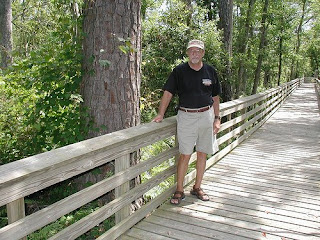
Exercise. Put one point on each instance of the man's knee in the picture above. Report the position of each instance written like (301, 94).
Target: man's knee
(201, 155)
(185, 157)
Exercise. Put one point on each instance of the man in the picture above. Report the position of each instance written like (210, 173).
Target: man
(197, 86)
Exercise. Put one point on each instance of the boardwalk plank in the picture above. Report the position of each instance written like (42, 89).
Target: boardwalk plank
(192, 226)
(313, 215)
(262, 224)
(264, 177)
(292, 205)
(125, 237)
(265, 195)
(253, 211)
(137, 233)
(257, 183)
(199, 218)
(266, 188)
(265, 207)
(296, 173)
(170, 231)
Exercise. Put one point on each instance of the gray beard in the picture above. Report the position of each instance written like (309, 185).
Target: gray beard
(195, 61)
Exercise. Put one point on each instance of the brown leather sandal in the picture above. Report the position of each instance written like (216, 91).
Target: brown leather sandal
(200, 194)
(179, 198)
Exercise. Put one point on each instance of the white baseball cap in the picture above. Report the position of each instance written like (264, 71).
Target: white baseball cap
(195, 43)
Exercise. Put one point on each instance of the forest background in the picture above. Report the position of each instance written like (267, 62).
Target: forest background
(40, 91)
(41, 106)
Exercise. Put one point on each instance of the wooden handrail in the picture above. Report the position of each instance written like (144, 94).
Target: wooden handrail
(32, 174)
(317, 88)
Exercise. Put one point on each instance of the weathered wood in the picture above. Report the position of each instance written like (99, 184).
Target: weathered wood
(122, 164)
(93, 219)
(21, 178)
(247, 114)
(130, 238)
(15, 211)
(203, 220)
(51, 213)
(238, 104)
(266, 188)
(32, 174)
(119, 229)
(143, 235)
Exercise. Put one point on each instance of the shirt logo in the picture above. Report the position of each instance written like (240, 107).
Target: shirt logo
(206, 82)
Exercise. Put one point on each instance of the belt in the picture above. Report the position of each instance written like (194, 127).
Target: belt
(195, 110)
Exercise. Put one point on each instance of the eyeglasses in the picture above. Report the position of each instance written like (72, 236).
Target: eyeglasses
(195, 51)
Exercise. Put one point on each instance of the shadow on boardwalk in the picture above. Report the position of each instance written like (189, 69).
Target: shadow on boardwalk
(267, 188)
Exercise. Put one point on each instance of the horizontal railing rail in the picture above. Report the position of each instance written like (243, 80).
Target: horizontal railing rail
(19, 179)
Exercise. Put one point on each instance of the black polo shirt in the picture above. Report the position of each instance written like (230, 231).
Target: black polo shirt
(194, 88)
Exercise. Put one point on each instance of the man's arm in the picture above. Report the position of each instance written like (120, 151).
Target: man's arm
(164, 103)
(216, 109)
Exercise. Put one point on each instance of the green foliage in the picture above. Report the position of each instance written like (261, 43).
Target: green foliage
(65, 221)
(127, 47)
(40, 95)
(14, 135)
(165, 36)
(314, 50)
(3, 216)
(153, 150)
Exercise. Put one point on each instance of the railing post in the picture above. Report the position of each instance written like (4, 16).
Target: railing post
(16, 211)
(229, 117)
(121, 164)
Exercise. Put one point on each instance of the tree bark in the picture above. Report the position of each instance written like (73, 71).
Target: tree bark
(262, 45)
(280, 59)
(5, 33)
(111, 66)
(111, 81)
(226, 24)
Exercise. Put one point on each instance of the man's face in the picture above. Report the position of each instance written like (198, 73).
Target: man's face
(195, 54)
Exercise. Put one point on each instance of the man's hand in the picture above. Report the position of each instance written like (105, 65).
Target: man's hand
(216, 126)
(158, 118)
(165, 100)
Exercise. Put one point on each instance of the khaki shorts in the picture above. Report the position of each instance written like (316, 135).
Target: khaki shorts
(196, 129)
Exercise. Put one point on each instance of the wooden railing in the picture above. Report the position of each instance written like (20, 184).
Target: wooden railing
(19, 179)
(317, 87)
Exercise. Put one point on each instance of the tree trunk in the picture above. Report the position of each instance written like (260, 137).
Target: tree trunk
(226, 24)
(211, 6)
(111, 80)
(280, 59)
(267, 78)
(5, 33)
(295, 63)
(261, 47)
(243, 42)
(189, 20)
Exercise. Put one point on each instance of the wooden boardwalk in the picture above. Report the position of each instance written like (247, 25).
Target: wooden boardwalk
(267, 188)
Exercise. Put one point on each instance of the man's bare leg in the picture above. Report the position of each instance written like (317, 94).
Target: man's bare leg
(201, 167)
(182, 168)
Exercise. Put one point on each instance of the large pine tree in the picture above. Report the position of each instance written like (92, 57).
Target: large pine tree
(5, 33)
(111, 81)
(111, 67)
